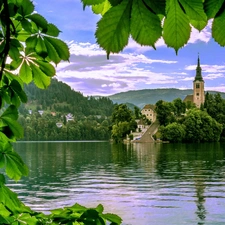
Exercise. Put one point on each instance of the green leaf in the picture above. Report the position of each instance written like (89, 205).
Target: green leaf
(14, 52)
(99, 208)
(15, 64)
(92, 2)
(9, 123)
(101, 8)
(212, 7)
(10, 201)
(113, 29)
(31, 42)
(4, 211)
(145, 26)
(39, 20)
(176, 29)
(26, 25)
(26, 7)
(218, 29)
(41, 48)
(46, 67)
(157, 6)
(194, 10)
(2, 177)
(26, 218)
(199, 25)
(16, 87)
(12, 9)
(40, 78)
(60, 47)
(112, 218)
(14, 165)
(25, 73)
(115, 2)
(4, 220)
(11, 112)
(52, 30)
(52, 53)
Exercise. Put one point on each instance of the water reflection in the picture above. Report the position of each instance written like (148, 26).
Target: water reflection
(144, 183)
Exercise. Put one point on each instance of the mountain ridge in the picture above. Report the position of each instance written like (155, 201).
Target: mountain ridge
(151, 96)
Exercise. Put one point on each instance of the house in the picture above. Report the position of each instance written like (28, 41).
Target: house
(140, 124)
(69, 117)
(149, 112)
(198, 96)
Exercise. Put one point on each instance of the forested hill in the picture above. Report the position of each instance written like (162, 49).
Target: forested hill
(59, 97)
(151, 96)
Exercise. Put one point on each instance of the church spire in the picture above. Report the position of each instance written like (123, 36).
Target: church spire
(198, 71)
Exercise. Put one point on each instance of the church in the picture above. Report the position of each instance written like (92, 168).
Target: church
(198, 96)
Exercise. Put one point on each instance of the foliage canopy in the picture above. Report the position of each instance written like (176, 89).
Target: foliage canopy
(146, 21)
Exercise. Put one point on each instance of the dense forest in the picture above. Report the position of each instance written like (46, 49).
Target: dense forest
(60, 113)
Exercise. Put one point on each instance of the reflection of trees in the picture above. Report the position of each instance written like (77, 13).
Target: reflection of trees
(174, 159)
(200, 201)
(136, 155)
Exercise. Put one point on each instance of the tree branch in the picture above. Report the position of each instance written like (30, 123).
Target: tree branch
(5, 52)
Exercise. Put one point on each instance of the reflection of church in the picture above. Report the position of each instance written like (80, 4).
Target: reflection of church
(198, 96)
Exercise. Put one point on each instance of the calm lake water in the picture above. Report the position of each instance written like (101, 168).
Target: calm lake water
(158, 184)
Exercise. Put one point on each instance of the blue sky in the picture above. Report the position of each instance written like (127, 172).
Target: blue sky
(137, 67)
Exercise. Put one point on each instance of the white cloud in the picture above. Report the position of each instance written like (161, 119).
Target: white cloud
(213, 76)
(208, 68)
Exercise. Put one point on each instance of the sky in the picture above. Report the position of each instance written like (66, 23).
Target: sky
(136, 67)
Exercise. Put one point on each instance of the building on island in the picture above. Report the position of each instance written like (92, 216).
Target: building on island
(198, 97)
(149, 112)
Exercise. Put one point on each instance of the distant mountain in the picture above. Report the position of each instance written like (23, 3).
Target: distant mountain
(151, 96)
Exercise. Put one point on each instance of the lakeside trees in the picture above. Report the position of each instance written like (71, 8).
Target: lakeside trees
(123, 122)
(195, 125)
(89, 117)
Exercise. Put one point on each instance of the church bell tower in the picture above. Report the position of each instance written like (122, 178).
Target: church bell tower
(198, 87)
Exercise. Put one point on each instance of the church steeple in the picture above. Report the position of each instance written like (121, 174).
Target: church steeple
(198, 86)
(198, 75)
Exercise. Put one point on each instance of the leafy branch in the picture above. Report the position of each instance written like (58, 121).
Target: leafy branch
(146, 21)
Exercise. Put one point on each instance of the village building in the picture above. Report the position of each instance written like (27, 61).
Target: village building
(198, 96)
(149, 112)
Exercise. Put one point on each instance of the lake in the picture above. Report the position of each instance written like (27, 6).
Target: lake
(144, 183)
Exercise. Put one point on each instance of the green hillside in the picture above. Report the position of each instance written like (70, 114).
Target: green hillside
(151, 96)
(60, 98)
(60, 113)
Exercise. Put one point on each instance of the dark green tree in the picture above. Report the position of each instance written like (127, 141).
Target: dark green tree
(123, 122)
(201, 127)
(164, 112)
(173, 132)
(179, 107)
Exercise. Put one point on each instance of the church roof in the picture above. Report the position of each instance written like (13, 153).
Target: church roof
(149, 106)
(198, 76)
(188, 98)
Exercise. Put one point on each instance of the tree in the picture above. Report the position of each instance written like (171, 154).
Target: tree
(123, 122)
(121, 113)
(137, 112)
(201, 127)
(179, 107)
(29, 46)
(164, 112)
(146, 21)
(173, 132)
